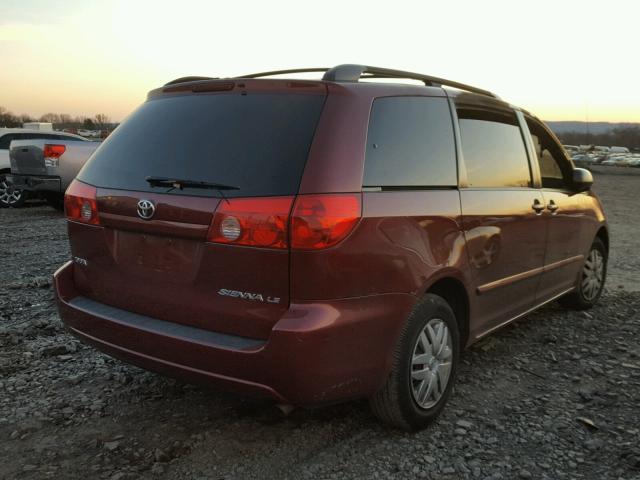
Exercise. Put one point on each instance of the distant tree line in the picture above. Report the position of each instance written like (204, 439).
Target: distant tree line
(621, 137)
(60, 121)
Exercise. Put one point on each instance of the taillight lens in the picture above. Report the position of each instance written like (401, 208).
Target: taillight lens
(257, 222)
(320, 221)
(53, 151)
(317, 221)
(80, 203)
(52, 154)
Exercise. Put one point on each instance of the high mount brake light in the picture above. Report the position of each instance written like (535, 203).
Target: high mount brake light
(256, 222)
(80, 204)
(316, 222)
(321, 221)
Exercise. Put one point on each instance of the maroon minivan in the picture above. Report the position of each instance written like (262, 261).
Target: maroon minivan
(317, 241)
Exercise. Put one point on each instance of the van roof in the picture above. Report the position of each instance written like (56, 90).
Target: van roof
(346, 73)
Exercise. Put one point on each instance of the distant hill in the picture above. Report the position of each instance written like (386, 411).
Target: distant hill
(595, 128)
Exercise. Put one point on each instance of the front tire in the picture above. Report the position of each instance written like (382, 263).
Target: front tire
(424, 368)
(9, 196)
(591, 280)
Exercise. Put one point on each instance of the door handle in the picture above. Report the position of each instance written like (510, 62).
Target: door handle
(552, 207)
(537, 206)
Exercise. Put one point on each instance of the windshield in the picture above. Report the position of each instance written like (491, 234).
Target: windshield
(256, 142)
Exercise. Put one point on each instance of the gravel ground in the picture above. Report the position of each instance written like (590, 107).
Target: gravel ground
(554, 395)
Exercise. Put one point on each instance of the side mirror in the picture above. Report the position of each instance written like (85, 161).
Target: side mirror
(582, 180)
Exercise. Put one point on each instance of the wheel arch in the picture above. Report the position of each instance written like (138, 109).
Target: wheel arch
(603, 234)
(454, 292)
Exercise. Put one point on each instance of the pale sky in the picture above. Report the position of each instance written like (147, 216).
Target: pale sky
(562, 60)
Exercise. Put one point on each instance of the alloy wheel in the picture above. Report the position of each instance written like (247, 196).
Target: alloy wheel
(592, 275)
(8, 195)
(431, 363)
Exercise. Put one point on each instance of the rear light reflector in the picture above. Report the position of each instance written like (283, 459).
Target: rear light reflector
(321, 221)
(256, 222)
(230, 228)
(80, 204)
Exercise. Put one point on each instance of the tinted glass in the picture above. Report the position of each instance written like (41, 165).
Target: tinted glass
(18, 136)
(5, 141)
(555, 170)
(493, 149)
(67, 138)
(34, 136)
(410, 143)
(257, 142)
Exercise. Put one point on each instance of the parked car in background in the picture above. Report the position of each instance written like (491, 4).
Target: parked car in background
(620, 160)
(47, 166)
(634, 162)
(572, 149)
(315, 241)
(617, 160)
(10, 196)
(616, 150)
(583, 160)
(90, 133)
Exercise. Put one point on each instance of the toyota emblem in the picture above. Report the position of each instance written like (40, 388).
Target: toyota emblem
(146, 209)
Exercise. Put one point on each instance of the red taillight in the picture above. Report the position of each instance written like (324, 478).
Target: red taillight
(258, 222)
(320, 221)
(80, 203)
(53, 151)
(317, 221)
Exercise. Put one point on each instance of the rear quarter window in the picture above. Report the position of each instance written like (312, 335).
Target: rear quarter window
(410, 143)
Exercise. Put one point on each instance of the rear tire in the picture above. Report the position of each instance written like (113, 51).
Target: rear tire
(424, 368)
(591, 281)
(10, 197)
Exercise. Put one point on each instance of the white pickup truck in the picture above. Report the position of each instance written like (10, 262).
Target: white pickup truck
(10, 196)
(47, 167)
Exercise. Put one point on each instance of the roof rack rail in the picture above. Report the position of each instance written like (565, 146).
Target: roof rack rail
(188, 79)
(353, 73)
(283, 72)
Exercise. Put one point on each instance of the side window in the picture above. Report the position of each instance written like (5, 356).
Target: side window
(410, 143)
(554, 169)
(5, 141)
(13, 136)
(69, 138)
(493, 148)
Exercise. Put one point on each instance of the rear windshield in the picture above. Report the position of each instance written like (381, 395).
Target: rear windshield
(256, 142)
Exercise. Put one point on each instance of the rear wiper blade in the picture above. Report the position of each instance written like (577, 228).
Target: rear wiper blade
(181, 184)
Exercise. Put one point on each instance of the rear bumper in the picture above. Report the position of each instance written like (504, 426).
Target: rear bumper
(317, 353)
(36, 183)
